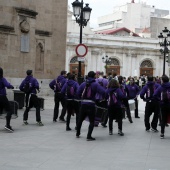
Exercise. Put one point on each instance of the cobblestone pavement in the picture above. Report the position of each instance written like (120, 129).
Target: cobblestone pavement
(52, 148)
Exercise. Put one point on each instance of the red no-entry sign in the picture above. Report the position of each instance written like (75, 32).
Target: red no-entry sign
(81, 50)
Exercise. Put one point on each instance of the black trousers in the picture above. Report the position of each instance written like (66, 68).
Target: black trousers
(151, 107)
(72, 107)
(165, 110)
(58, 97)
(86, 110)
(136, 109)
(32, 101)
(125, 102)
(106, 117)
(115, 113)
(4, 105)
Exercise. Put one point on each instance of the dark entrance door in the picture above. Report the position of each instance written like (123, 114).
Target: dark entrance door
(146, 71)
(146, 68)
(74, 68)
(113, 69)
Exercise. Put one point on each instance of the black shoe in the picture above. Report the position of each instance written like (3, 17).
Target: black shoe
(137, 117)
(166, 125)
(96, 125)
(77, 135)
(162, 136)
(110, 132)
(62, 120)
(40, 123)
(68, 129)
(90, 139)
(25, 122)
(103, 125)
(9, 128)
(154, 130)
(147, 130)
(120, 133)
(130, 120)
(54, 120)
(159, 124)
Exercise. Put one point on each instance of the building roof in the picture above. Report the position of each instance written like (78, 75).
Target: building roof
(146, 30)
(114, 31)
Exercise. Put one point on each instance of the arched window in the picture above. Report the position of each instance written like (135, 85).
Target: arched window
(74, 65)
(74, 60)
(114, 62)
(146, 63)
(39, 62)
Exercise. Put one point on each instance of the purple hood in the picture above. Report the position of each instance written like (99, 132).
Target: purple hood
(159, 90)
(96, 88)
(34, 85)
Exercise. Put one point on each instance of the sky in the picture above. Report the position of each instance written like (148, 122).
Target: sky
(104, 7)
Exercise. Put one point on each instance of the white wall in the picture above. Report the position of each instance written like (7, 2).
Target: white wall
(130, 51)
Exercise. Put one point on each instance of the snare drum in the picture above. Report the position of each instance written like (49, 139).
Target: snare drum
(14, 106)
(131, 104)
(41, 101)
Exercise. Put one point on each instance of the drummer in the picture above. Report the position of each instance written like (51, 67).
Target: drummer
(133, 91)
(152, 105)
(99, 100)
(114, 97)
(87, 92)
(4, 103)
(125, 100)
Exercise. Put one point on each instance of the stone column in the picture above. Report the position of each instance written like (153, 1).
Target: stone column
(127, 63)
(133, 65)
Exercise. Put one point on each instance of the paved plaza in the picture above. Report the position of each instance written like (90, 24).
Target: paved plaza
(52, 148)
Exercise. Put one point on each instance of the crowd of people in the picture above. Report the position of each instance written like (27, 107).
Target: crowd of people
(98, 99)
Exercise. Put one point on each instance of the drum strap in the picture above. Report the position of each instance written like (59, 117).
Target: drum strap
(29, 96)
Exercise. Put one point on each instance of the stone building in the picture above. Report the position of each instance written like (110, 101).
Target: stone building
(33, 36)
(129, 55)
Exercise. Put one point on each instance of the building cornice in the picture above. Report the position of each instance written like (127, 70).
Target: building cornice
(26, 12)
(116, 42)
(6, 28)
(43, 33)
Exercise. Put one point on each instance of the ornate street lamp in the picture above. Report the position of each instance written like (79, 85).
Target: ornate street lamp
(82, 15)
(107, 61)
(164, 41)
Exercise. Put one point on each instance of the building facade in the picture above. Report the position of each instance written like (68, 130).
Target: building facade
(130, 56)
(33, 36)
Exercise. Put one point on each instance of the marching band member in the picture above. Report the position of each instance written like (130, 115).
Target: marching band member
(4, 103)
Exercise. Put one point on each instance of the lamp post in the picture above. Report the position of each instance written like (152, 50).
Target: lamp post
(106, 60)
(82, 15)
(164, 41)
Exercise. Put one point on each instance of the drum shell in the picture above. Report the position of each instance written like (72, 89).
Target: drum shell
(14, 106)
(131, 104)
(41, 101)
